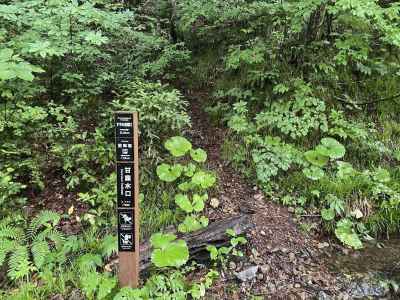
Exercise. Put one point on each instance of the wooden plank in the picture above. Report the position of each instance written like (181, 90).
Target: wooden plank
(127, 150)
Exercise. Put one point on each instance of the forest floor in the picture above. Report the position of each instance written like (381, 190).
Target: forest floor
(280, 261)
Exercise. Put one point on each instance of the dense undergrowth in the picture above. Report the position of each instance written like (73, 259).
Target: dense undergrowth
(308, 89)
(310, 93)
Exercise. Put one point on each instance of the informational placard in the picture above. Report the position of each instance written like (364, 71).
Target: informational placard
(127, 168)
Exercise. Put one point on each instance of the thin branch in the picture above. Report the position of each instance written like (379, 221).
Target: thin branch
(370, 102)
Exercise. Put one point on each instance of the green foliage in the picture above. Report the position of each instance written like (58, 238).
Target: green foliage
(346, 234)
(222, 254)
(190, 179)
(178, 146)
(167, 251)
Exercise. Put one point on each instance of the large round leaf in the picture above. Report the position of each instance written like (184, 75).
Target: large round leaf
(174, 254)
(328, 214)
(316, 158)
(198, 155)
(169, 173)
(184, 203)
(178, 146)
(313, 173)
(331, 148)
(203, 179)
(161, 240)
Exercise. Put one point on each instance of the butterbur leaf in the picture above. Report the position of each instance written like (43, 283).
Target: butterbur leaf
(198, 155)
(168, 252)
(331, 148)
(160, 240)
(178, 146)
(198, 202)
(183, 202)
(186, 186)
(346, 234)
(191, 223)
(328, 214)
(169, 173)
(189, 169)
(203, 179)
(313, 173)
(316, 158)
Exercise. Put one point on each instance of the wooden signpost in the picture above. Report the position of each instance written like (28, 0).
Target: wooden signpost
(126, 145)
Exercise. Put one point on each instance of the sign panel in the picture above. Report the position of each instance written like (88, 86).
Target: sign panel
(123, 124)
(124, 149)
(127, 168)
(125, 184)
(126, 232)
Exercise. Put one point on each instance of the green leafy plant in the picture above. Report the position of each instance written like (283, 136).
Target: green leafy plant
(168, 252)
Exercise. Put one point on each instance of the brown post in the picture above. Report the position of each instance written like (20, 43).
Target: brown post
(127, 152)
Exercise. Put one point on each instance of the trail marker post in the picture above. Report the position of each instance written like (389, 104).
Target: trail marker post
(127, 167)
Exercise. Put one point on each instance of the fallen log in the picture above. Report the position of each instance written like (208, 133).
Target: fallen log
(214, 234)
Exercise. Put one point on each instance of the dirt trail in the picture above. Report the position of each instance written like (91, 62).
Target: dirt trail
(290, 263)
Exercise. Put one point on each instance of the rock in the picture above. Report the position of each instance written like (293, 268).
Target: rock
(265, 269)
(214, 202)
(366, 290)
(323, 245)
(232, 265)
(247, 274)
(271, 287)
(323, 296)
(260, 276)
(76, 294)
(258, 196)
(292, 257)
(262, 232)
(284, 250)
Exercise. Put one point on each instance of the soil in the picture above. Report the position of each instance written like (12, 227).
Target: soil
(291, 263)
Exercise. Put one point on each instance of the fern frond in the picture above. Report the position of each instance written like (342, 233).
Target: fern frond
(6, 246)
(89, 262)
(52, 235)
(45, 217)
(40, 250)
(109, 246)
(10, 232)
(19, 264)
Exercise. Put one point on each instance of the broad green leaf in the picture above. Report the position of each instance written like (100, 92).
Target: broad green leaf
(328, 214)
(203, 179)
(331, 148)
(5, 54)
(346, 234)
(183, 202)
(316, 158)
(161, 240)
(198, 155)
(178, 146)
(174, 254)
(213, 251)
(169, 173)
(186, 186)
(189, 169)
(198, 202)
(313, 173)
(191, 223)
